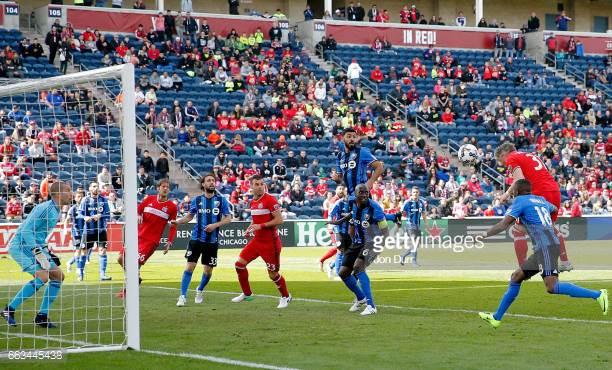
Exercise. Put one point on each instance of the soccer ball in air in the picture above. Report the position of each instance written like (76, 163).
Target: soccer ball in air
(468, 154)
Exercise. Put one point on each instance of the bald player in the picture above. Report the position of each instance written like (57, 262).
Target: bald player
(28, 248)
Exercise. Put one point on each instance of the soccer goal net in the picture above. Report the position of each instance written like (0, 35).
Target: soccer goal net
(76, 130)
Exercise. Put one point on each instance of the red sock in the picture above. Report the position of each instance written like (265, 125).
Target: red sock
(562, 251)
(281, 285)
(520, 246)
(243, 279)
(329, 254)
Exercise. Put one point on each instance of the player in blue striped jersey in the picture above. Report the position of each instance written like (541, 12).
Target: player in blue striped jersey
(414, 209)
(534, 213)
(211, 211)
(367, 220)
(95, 213)
(341, 229)
(76, 229)
(353, 161)
(29, 249)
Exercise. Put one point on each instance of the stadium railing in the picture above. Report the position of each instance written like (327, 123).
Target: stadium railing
(368, 84)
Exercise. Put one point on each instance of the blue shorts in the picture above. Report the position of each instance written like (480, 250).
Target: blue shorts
(25, 258)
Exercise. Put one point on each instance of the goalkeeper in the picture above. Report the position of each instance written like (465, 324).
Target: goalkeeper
(28, 248)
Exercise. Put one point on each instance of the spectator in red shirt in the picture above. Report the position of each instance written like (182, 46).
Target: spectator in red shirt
(448, 116)
(7, 149)
(237, 145)
(13, 209)
(7, 168)
(310, 190)
(569, 131)
(474, 186)
(153, 52)
(569, 104)
(376, 75)
(489, 212)
(322, 188)
(383, 17)
(576, 208)
(82, 140)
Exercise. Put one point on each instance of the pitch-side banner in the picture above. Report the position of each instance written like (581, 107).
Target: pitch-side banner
(315, 233)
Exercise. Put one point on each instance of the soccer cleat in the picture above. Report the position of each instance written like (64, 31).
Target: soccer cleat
(369, 310)
(80, 277)
(490, 319)
(321, 267)
(181, 301)
(330, 271)
(565, 266)
(403, 261)
(284, 302)
(199, 298)
(69, 268)
(415, 263)
(242, 297)
(357, 305)
(9, 315)
(603, 301)
(105, 278)
(42, 320)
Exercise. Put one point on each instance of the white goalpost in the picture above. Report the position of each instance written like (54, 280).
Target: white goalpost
(88, 314)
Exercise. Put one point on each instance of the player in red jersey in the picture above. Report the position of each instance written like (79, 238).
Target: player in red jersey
(531, 167)
(154, 212)
(266, 215)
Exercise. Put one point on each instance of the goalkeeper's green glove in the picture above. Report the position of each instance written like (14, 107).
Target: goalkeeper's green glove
(41, 258)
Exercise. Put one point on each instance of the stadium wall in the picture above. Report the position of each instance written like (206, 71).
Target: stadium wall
(314, 233)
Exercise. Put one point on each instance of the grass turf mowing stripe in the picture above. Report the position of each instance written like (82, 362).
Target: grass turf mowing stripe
(431, 309)
(442, 288)
(195, 356)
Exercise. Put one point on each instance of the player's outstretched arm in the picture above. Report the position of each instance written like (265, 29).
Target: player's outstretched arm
(501, 226)
(224, 221)
(183, 220)
(379, 168)
(516, 175)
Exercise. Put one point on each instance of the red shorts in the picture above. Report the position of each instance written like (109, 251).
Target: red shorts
(146, 248)
(553, 197)
(268, 250)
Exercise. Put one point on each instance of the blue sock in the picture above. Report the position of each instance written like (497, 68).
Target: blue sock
(103, 262)
(364, 282)
(204, 281)
(507, 299)
(351, 283)
(81, 264)
(51, 293)
(26, 292)
(575, 291)
(185, 282)
(339, 259)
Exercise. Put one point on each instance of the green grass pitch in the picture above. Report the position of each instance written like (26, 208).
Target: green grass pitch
(427, 318)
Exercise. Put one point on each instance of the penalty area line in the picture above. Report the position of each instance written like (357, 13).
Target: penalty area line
(423, 309)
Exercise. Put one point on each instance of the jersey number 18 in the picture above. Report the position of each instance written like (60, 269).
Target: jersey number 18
(544, 216)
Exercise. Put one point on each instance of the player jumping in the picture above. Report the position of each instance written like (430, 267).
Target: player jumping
(28, 248)
(95, 212)
(352, 163)
(212, 211)
(266, 215)
(154, 213)
(334, 233)
(531, 167)
(414, 209)
(367, 220)
(340, 232)
(535, 212)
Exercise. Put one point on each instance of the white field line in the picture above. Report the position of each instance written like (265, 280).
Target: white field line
(195, 356)
(426, 309)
